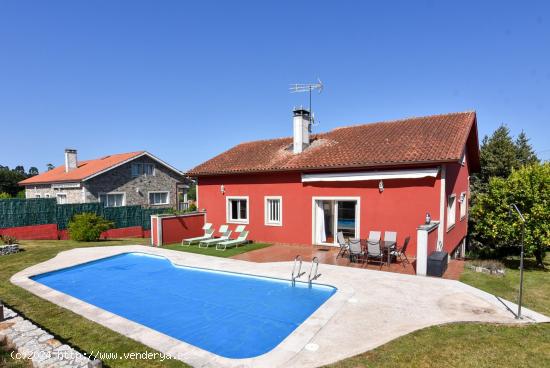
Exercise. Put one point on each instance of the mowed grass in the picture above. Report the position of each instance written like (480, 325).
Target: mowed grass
(454, 345)
(474, 344)
(211, 251)
(536, 283)
(71, 328)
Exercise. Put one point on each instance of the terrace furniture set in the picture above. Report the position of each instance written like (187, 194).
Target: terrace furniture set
(222, 242)
(374, 249)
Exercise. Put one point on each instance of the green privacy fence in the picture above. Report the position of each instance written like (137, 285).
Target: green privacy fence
(39, 211)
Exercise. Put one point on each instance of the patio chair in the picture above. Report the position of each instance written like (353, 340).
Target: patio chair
(390, 236)
(401, 252)
(374, 251)
(343, 243)
(240, 228)
(233, 243)
(208, 233)
(356, 252)
(226, 233)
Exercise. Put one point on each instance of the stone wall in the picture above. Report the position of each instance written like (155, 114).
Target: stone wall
(136, 189)
(8, 249)
(74, 195)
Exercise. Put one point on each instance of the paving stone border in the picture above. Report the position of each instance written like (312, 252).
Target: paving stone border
(9, 249)
(37, 345)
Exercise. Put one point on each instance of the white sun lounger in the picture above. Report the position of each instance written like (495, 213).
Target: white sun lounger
(209, 242)
(233, 243)
(208, 233)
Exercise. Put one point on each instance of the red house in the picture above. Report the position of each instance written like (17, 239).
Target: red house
(384, 176)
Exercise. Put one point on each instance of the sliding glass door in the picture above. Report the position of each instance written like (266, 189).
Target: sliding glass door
(332, 216)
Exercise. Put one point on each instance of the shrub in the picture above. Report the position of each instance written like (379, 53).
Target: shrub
(7, 240)
(192, 207)
(4, 195)
(88, 227)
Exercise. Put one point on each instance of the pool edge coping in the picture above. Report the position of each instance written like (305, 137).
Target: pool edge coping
(293, 344)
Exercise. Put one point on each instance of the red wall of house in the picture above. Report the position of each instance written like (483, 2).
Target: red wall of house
(176, 228)
(401, 207)
(457, 182)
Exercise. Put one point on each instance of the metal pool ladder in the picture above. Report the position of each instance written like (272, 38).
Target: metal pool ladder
(316, 275)
(295, 275)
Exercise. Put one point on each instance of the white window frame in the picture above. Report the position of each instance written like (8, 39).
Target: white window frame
(140, 169)
(228, 210)
(113, 193)
(451, 211)
(267, 221)
(463, 206)
(335, 198)
(57, 195)
(161, 192)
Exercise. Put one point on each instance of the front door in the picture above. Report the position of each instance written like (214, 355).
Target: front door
(332, 216)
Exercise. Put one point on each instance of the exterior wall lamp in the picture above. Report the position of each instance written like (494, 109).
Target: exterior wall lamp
(222, 189)
(380, 186)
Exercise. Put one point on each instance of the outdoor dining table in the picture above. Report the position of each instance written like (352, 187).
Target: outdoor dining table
(387, 245)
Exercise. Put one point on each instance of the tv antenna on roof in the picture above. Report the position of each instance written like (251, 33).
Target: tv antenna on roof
(307, 87)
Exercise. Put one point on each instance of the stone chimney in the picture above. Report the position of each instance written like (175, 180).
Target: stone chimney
(71, 162)
(301, 124)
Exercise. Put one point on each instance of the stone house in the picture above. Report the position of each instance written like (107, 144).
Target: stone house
(135, 178)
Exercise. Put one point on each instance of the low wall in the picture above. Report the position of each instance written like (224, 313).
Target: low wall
(51, 232)
(174, 228)
(33, 232)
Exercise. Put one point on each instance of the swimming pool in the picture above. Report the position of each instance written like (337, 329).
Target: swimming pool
(229, 314)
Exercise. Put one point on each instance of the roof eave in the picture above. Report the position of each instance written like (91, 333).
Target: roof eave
(327, 168)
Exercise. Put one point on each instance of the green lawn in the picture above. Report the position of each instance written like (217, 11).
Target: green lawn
(455, 345)
(474, 344)
(66, 325)
(211, 251)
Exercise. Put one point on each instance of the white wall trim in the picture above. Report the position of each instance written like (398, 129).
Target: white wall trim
(266, 215)
(336, 198)
(104, 193)
(227, 210)
(371, 175)
(442, 207)
(158, 191)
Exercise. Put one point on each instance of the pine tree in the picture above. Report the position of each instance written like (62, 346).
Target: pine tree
(524, 151)
(498, 155)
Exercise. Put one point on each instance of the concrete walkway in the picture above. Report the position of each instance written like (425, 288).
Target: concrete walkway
(369, 309)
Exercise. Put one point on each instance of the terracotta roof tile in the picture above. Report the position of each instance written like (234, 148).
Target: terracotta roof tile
(84, 170)
(436, 138)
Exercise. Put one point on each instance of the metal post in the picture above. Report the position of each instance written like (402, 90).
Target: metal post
(521, 271)
(520, 298)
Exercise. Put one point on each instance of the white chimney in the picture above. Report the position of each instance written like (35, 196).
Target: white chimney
(301, 122)
(71, 162)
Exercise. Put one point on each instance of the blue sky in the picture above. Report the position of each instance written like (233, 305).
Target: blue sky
(188, 80)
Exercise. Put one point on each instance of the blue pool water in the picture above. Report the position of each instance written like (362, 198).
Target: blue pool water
(228, 314)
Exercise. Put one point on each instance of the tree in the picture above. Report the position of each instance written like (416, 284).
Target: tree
(497, 155)
(33, 171)
(498, 229)
(525, 155)
(192, 191)
(9, 180)
(50, 167)
(20, 169)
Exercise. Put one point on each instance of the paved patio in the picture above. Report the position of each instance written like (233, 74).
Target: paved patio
(327, 255)
(400, 303)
